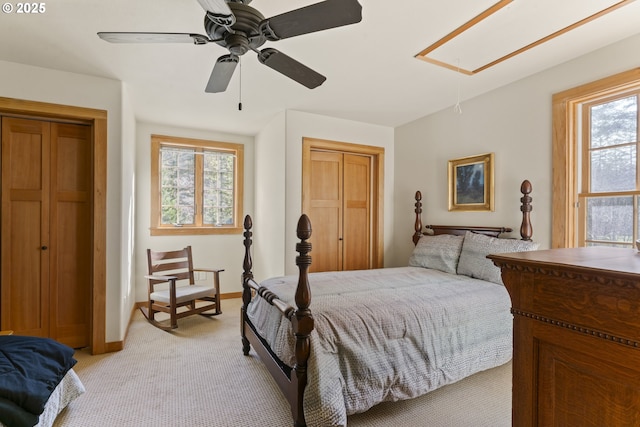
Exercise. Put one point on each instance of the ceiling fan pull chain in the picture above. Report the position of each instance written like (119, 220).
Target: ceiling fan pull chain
(240, 78)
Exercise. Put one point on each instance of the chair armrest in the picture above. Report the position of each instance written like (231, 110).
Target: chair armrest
(166, 278)
(210, 270)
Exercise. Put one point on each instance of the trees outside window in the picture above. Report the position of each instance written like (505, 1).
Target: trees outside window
(595, 163)
(196, 186)
(608, 199)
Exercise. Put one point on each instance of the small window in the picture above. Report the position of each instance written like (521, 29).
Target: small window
(196, 186)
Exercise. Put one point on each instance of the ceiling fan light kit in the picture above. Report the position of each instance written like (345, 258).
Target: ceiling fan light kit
(239, 28)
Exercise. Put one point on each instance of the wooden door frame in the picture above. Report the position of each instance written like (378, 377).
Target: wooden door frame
(377, 185)
(97, 119)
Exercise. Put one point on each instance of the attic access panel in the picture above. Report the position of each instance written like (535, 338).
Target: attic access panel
(508, 28)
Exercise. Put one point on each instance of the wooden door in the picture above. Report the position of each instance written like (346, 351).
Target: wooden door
(340, 211)
(25, 226)
(70, 230)
(46, 229)
(325, 210)
(357, 212)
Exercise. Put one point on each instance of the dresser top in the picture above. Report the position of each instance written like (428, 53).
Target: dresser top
(615, 260)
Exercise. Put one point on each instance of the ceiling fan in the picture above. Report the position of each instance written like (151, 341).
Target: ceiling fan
(239, 28)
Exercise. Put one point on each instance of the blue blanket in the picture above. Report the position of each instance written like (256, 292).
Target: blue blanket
(12, 415)
(30, 369)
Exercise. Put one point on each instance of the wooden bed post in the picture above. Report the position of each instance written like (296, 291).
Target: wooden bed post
(302, 320)
(418, 224)
(246, 276)
(526, 229)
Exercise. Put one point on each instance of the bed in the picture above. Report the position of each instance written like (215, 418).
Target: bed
(386, 334)
(37, 380)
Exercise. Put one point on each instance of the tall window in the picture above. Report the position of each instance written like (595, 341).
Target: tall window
(608, 199)
(196, 186)
(596, 178)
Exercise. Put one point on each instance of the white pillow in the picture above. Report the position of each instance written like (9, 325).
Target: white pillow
(475, 248)
(439, 252)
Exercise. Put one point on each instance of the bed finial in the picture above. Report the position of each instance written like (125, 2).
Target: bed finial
(247, 275)
(248, 222)
(304, 229)
(418, 224)
(526, 229)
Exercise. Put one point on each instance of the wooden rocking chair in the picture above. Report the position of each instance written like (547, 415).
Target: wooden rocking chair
(173, 268)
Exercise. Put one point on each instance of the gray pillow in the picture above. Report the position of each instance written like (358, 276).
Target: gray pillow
(438, 252)
(475, 248)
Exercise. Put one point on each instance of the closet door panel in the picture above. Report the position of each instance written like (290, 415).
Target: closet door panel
(357, 203)
(25, 226)
(326, 211)
(71, 249)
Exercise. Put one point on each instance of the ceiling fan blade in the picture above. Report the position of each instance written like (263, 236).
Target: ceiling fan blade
(218, 11)
(221, 74)
(291, 68)
(215, 6)
(315, 17)
(154, 38)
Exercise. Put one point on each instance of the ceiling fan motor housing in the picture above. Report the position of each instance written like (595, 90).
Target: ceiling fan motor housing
(245, 34)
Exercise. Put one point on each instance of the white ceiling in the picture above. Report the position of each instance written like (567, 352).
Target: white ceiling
(372, 75)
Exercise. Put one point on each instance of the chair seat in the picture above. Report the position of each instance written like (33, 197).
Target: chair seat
(185, 293)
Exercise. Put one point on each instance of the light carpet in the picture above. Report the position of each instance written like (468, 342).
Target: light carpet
(198, 376)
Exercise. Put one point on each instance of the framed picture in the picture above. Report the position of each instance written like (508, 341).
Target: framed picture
(471, 183)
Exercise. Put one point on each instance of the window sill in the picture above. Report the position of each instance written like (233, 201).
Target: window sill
(193, 231)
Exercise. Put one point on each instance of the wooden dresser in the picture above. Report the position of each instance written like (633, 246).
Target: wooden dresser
(576, 336)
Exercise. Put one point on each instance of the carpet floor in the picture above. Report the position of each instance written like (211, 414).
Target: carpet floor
(198, 376)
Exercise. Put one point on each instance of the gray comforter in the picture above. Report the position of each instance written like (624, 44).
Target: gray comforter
(388, 334)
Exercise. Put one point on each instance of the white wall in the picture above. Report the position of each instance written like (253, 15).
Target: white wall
(300, 125)
(58, 87)
(219, 250)
(269, 221)
(127, 182)
(515, 122)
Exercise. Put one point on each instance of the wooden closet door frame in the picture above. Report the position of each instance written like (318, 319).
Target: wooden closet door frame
(97, 119)
(377, 185)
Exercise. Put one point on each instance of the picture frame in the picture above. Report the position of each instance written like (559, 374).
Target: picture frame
(471, 183)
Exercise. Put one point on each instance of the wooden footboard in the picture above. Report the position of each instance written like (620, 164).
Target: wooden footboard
(292, 381)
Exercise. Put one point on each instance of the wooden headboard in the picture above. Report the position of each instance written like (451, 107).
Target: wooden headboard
(526, 230)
